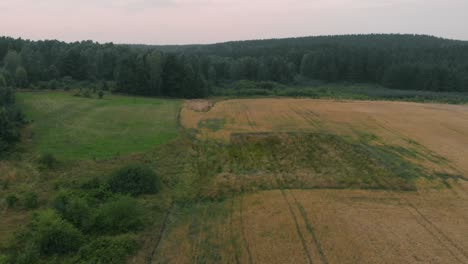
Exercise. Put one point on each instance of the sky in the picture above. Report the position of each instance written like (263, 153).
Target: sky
(211, 21)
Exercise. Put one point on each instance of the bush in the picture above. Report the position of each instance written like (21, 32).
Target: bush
(120, 215)
(30, 200)
(6, 184)
(96, 190)
(11, 200)
(53, 235)
(108, 250)
(53, 84)
(134, 179)
(105, 87)
(26, 255)
(101, 94)
(74, 209)
(87, 93)
(48, 160)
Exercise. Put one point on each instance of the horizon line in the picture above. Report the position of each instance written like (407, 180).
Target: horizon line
(240, 40)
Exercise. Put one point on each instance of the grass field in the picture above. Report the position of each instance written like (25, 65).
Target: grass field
(84, 128)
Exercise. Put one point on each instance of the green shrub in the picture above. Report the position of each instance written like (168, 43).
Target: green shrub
(74, 209)
(53, 235)
(134, 179)
(6, 184)
(4, 259)
(96, 190)
(48, 160)
(87, 93)
(30, 200)
(11, 200)
(108, 250)
(101, 94)
(28, 254)
(119, 215)
(104, 86)
(53, 84)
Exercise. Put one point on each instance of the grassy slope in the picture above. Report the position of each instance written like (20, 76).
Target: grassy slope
(82, 128)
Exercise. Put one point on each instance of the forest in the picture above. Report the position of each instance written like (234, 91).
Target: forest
(405, 62)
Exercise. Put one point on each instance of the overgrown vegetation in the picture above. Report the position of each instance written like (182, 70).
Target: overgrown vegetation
(213, 124)
(264, 161)
(134, 179)
(322, 90)
(87, 224)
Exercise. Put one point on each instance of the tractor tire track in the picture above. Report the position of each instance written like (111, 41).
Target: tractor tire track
(424, 222)
(244, 237)
(428, 223)
(197, 246)
(298, 230)
(161, 234)
(311, 230)
(437, 229)
(231, 233)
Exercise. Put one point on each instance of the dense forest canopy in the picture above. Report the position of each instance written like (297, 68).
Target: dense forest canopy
(415, 62)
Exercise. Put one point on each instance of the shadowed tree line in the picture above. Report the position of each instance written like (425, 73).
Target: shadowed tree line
(413, 62)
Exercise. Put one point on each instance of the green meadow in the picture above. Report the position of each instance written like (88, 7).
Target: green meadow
(73, 127)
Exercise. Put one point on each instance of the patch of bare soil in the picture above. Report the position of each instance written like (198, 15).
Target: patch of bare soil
(198, 105)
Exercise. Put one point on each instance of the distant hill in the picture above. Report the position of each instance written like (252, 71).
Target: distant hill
(361, 40)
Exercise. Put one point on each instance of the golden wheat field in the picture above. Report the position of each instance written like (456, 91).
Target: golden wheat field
(429, 225)
(442, 129)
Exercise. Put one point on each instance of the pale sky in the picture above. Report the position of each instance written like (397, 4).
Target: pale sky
(210, 21)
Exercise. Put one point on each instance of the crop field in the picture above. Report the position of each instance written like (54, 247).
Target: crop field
(315, 181)
(441, 129)
(323, 226)
(84, 128)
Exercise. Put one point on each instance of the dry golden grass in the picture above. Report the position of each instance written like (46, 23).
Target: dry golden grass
(442, 129)
(429, 225)
(330, 226)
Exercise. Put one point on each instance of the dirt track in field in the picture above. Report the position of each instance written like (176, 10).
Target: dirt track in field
(331, 226)
(442, 129)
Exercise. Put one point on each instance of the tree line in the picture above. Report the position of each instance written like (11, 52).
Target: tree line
(10, 117)
(412, 62)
